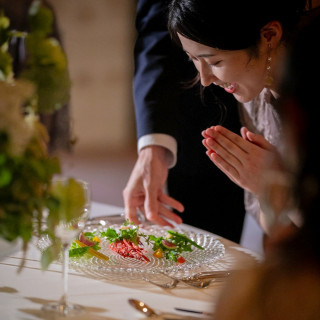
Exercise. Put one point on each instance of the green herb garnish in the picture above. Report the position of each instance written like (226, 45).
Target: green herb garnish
(76, 251)
(173, 245)
(128, 231)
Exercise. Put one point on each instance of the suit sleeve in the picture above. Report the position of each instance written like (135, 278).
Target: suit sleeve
(155, 75)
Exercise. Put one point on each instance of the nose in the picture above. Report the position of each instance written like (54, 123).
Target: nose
(206, 75)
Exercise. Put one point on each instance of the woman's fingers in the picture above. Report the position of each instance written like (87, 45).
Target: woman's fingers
(241, 158)
(226, 144)
(226, 150)
(225, 167)
(243, 132)
(260, 141)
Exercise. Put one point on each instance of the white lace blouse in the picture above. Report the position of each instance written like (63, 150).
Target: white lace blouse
(260, 116)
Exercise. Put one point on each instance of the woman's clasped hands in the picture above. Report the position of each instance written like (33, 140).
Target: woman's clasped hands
(244, 159)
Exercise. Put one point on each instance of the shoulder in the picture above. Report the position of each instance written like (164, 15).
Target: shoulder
(271, 291)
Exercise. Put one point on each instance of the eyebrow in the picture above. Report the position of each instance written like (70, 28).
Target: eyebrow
(203, 55)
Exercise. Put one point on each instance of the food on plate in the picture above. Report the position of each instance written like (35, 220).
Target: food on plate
(87, 246)
(158, 254)
(88, 239)
(126, 241)
(129, 242)
(128, 249)
(168, 244)
(172, 245)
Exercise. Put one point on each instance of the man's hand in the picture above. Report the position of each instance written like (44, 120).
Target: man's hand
(144, 190)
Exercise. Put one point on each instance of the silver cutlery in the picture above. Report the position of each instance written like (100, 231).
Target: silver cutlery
(200, 280)
(107, 219)
(208, 275)
(193, 282)
(205, 313)
(116, 218)
(172, 283)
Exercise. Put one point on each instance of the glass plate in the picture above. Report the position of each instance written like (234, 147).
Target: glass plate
(121, 268)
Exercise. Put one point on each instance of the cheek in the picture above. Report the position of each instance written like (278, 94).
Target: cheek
(257, 69)
(231, 74)
(251, 77)
(236, 70)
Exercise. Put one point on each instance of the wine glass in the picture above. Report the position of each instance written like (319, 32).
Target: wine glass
(69, 191)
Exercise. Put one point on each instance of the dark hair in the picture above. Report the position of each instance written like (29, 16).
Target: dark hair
(230, 24)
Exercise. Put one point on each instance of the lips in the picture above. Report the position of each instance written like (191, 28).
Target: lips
(229, 87)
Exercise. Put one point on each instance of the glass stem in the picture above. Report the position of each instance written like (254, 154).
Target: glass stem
(65, 264)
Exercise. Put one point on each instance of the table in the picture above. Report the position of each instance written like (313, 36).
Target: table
(21, 295)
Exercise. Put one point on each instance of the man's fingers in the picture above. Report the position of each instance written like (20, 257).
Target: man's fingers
(131, 214)
(171, 202)
(159, 209)
(151, 206)
(169, 214)
(158, 218)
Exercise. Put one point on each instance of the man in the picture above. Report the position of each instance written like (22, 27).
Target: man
(170, 116)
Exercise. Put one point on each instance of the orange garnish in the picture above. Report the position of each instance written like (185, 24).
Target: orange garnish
(93, 252)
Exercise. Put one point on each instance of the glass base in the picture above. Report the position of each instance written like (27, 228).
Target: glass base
(63, 309)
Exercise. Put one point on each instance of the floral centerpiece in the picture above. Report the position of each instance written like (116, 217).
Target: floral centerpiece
(26, 168)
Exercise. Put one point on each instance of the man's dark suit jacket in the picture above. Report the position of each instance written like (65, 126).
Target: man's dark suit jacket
(163, 104)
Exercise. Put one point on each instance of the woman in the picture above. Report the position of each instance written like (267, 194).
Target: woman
(238, 45)
(287, 284)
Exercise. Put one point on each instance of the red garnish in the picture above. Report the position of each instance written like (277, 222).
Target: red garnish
(181, 260)
(128, 249)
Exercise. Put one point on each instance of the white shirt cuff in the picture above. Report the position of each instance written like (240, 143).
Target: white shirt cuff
(163, 140)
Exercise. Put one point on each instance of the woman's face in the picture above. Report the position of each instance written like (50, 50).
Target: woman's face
(234, 70)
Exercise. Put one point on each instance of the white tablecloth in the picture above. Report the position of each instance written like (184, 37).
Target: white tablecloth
(22, 295)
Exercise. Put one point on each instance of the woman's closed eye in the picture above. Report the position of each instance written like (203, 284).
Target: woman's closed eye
(191, 58)
(215, 64)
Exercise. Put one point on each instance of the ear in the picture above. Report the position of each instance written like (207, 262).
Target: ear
(271, 33)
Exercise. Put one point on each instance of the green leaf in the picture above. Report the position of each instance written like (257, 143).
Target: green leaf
(5, 177)
(4, 21)
(90, 235)
(25, 177)
(184, 238)
(5, 65)
(47, 68)
(78, 252)
(49, 255)
(183, 243)
(3, 157)
(4, 29)
(40, 18)
(128, 233)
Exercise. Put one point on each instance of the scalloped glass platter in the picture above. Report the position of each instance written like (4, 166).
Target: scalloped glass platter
(121, 268)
